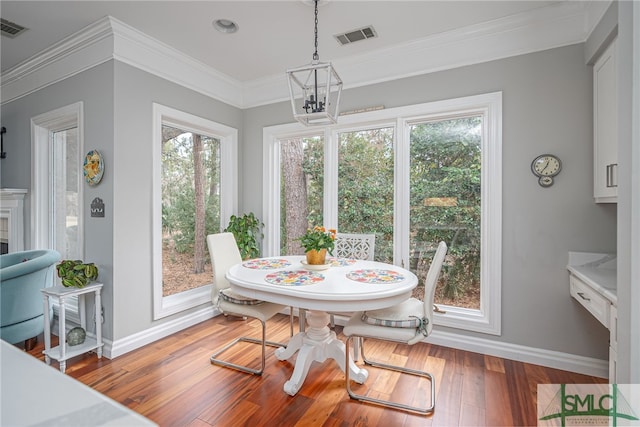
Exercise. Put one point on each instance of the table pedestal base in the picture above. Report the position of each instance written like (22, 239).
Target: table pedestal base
(316, 344)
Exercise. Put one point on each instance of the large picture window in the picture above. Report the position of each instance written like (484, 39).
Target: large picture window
(413, 176)
(194, 195)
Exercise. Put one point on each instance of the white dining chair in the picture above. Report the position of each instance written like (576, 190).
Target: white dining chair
(408, 323)
(354, 246)
(224, 254)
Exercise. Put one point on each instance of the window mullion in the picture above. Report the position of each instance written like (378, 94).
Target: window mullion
(330, 197)
(401, 194)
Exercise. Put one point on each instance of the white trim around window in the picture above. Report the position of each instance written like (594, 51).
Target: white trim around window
(228, 136)
(43, 127)
(488, 318)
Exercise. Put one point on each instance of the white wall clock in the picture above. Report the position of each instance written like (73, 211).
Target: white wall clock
(545, 167)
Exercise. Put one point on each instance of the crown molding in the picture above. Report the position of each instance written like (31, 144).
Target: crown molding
(545, 28)
(561, 24)
(141, 51)
(85, 49)
(109, 38)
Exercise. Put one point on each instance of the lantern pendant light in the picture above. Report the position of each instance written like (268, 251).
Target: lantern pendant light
(315, 89)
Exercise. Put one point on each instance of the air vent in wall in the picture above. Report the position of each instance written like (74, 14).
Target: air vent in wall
(10, 29)
(355, 35)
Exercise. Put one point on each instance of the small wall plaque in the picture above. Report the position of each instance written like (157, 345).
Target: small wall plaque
(97, 208)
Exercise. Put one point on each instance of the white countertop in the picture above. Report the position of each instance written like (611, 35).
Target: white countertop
(597, 270)
(35, 394)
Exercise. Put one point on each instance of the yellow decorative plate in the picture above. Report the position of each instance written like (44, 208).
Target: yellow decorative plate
(93, 167)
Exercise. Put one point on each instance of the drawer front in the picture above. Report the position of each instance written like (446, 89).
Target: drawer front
(597, 305)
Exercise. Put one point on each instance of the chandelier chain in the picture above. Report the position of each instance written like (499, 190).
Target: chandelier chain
(315, 54)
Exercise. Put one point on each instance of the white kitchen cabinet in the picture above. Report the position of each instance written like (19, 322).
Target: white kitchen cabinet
(605, 127)
(593, 283)
(590, 299)
(613, 344)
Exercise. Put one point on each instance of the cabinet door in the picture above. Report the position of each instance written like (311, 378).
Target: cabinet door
(605, 131)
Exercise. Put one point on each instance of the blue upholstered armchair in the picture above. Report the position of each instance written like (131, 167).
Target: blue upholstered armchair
(22, 275)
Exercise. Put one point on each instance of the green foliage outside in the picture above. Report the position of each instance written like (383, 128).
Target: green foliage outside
(178, 193)
(446, 163)
(445, 166)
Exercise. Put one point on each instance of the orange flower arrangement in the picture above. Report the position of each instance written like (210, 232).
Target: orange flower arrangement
(318, 238)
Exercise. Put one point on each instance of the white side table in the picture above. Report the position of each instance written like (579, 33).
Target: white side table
(62, 352)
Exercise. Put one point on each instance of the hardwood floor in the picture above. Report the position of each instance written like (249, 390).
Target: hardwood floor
(172, 382)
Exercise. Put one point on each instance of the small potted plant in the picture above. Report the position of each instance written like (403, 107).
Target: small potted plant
(317, 241)
(76, 273)
(246, 229)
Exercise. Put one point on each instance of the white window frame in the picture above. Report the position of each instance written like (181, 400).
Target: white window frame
(43, 127)
(228, 137)
(488, 318)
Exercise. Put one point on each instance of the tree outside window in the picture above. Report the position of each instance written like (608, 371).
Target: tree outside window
(190, 207)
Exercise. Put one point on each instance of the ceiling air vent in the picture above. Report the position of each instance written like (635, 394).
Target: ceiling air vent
(355, 35)
(10, 29)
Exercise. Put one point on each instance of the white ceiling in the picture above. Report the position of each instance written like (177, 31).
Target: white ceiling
(273, 35)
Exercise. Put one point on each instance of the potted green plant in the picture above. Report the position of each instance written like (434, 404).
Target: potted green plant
(246, 229)
(317, 241)
(76, 273)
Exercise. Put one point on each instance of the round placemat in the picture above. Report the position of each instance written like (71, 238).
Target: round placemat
(375, 276)
(341, 262)
(266, 264)
(294, 278)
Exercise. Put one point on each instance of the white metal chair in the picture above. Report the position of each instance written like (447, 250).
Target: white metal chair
(408, 323)
(224, 254)
(355, 246)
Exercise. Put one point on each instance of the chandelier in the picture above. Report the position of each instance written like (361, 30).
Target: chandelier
(315, 89)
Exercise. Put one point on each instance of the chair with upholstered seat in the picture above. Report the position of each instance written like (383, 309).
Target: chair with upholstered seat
(22, 276)
(408, 323)
(224, 254)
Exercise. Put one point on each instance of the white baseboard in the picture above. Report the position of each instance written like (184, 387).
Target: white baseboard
(551, 359)
(119, 347)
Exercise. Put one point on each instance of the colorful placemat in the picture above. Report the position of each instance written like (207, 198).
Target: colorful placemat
(375, 276)
(266, 264)
(294, 278)
(341, 262)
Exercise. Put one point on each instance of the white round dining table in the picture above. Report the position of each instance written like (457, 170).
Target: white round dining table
(346, 285)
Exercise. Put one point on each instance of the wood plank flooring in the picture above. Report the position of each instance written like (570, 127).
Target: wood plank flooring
(172, 382)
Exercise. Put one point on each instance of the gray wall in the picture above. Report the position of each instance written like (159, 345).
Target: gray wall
(135, 91)
(94, 88)
(118, 122)
(547, 104)
(628, 370)
(547, 108)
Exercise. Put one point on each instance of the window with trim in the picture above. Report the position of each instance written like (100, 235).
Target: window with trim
(414, 175)
(194, 195)
(57, 147)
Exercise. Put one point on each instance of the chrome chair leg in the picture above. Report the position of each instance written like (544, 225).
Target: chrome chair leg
(214, 358)
(402, 369)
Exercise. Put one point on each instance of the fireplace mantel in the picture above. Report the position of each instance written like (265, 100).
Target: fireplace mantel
(12, 219)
